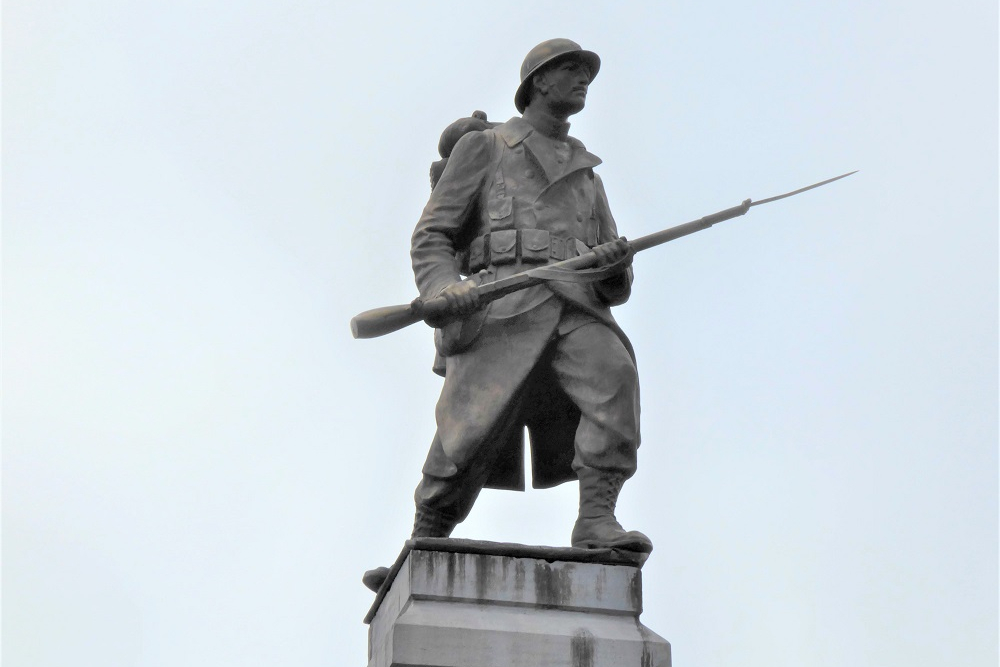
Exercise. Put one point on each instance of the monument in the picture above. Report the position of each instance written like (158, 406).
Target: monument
(518, 262)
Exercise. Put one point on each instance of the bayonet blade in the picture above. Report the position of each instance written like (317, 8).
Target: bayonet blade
(808, 187)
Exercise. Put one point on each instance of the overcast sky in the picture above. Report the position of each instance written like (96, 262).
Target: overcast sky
(199, 461)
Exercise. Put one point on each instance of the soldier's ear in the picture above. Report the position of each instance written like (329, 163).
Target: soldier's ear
(541, 82)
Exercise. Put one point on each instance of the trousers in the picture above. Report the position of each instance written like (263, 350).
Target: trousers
(583, 361)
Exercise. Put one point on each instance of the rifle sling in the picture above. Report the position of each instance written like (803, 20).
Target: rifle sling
(580, 275)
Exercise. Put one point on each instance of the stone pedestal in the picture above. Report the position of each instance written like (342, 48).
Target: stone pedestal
(463, 603)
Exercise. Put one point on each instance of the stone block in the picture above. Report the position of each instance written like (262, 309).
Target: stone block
(464, 603)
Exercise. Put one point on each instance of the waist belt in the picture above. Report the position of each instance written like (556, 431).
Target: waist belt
(510, 246)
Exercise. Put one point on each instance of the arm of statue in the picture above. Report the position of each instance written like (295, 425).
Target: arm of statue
(616, 289)
(462, 298)
(450, 208)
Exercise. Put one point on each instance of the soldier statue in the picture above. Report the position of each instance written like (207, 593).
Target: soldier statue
(518, 262)
(510, 197)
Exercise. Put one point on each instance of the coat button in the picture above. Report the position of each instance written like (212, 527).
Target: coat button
(579, 217)
(529, 174)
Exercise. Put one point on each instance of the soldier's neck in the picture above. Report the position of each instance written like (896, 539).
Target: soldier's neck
(546, 123)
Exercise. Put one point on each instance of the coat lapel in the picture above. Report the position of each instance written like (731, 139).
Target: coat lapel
(555, 170)
(582, 158)
(517, 130)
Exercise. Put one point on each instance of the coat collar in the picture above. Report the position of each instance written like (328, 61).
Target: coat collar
(517, 130)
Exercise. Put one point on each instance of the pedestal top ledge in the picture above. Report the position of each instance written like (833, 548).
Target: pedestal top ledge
(432, 550)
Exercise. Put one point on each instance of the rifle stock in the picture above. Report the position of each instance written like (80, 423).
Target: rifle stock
(381, 321)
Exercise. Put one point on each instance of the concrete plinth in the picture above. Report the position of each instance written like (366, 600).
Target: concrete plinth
(463, 603)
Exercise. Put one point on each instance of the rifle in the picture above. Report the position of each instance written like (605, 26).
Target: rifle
(382, 321)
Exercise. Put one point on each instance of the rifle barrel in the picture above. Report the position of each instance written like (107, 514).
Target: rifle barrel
(661, 237)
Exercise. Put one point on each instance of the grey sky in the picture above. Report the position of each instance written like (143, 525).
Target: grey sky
(199, 462)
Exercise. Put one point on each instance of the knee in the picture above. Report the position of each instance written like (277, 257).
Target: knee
(620, 374)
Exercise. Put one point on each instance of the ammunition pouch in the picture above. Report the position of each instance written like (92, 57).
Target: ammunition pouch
(516, 246)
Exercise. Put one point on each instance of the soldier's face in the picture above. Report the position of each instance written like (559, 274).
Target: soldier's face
(566, 86)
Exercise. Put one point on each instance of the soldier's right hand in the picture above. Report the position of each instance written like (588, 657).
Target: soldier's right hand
(612, 251)
(462, 297)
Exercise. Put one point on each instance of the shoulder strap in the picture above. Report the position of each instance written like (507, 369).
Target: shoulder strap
(496, 159)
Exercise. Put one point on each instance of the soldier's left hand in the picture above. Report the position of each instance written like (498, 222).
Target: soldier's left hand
(611, 252)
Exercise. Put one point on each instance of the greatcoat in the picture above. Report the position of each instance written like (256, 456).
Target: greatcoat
(513, 177)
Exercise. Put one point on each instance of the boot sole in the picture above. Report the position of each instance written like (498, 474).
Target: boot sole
(637, 546)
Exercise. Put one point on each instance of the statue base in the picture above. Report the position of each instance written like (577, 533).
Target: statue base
(465, 603)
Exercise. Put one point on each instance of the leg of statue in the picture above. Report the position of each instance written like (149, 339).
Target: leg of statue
(441, 504)
(596, 527)
(445, 495)
(596, 372)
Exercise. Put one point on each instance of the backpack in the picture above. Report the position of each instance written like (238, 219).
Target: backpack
(474, 123)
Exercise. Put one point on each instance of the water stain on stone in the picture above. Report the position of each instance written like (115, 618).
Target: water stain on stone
(483, 576)
(647, 652)
(519, 578)
(430, 564)
(581, 648)
(553, 586)
(635, 591)
(450, 567)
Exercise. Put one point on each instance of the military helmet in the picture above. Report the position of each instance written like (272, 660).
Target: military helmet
(545, 53)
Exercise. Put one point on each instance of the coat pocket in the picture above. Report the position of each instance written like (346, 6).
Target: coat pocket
(534, 246)
(500, 209)
(503, 247)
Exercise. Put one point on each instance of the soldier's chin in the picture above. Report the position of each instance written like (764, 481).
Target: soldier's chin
(574, 105)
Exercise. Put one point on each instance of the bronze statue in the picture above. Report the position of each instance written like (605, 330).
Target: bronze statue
(518, 261)
(550, 357)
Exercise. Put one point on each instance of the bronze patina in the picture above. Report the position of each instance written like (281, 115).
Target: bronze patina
(518, 262)
(548, 358)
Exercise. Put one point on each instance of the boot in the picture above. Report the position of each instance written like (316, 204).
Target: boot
(596, 527)
(374, 578)
(428, 523)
